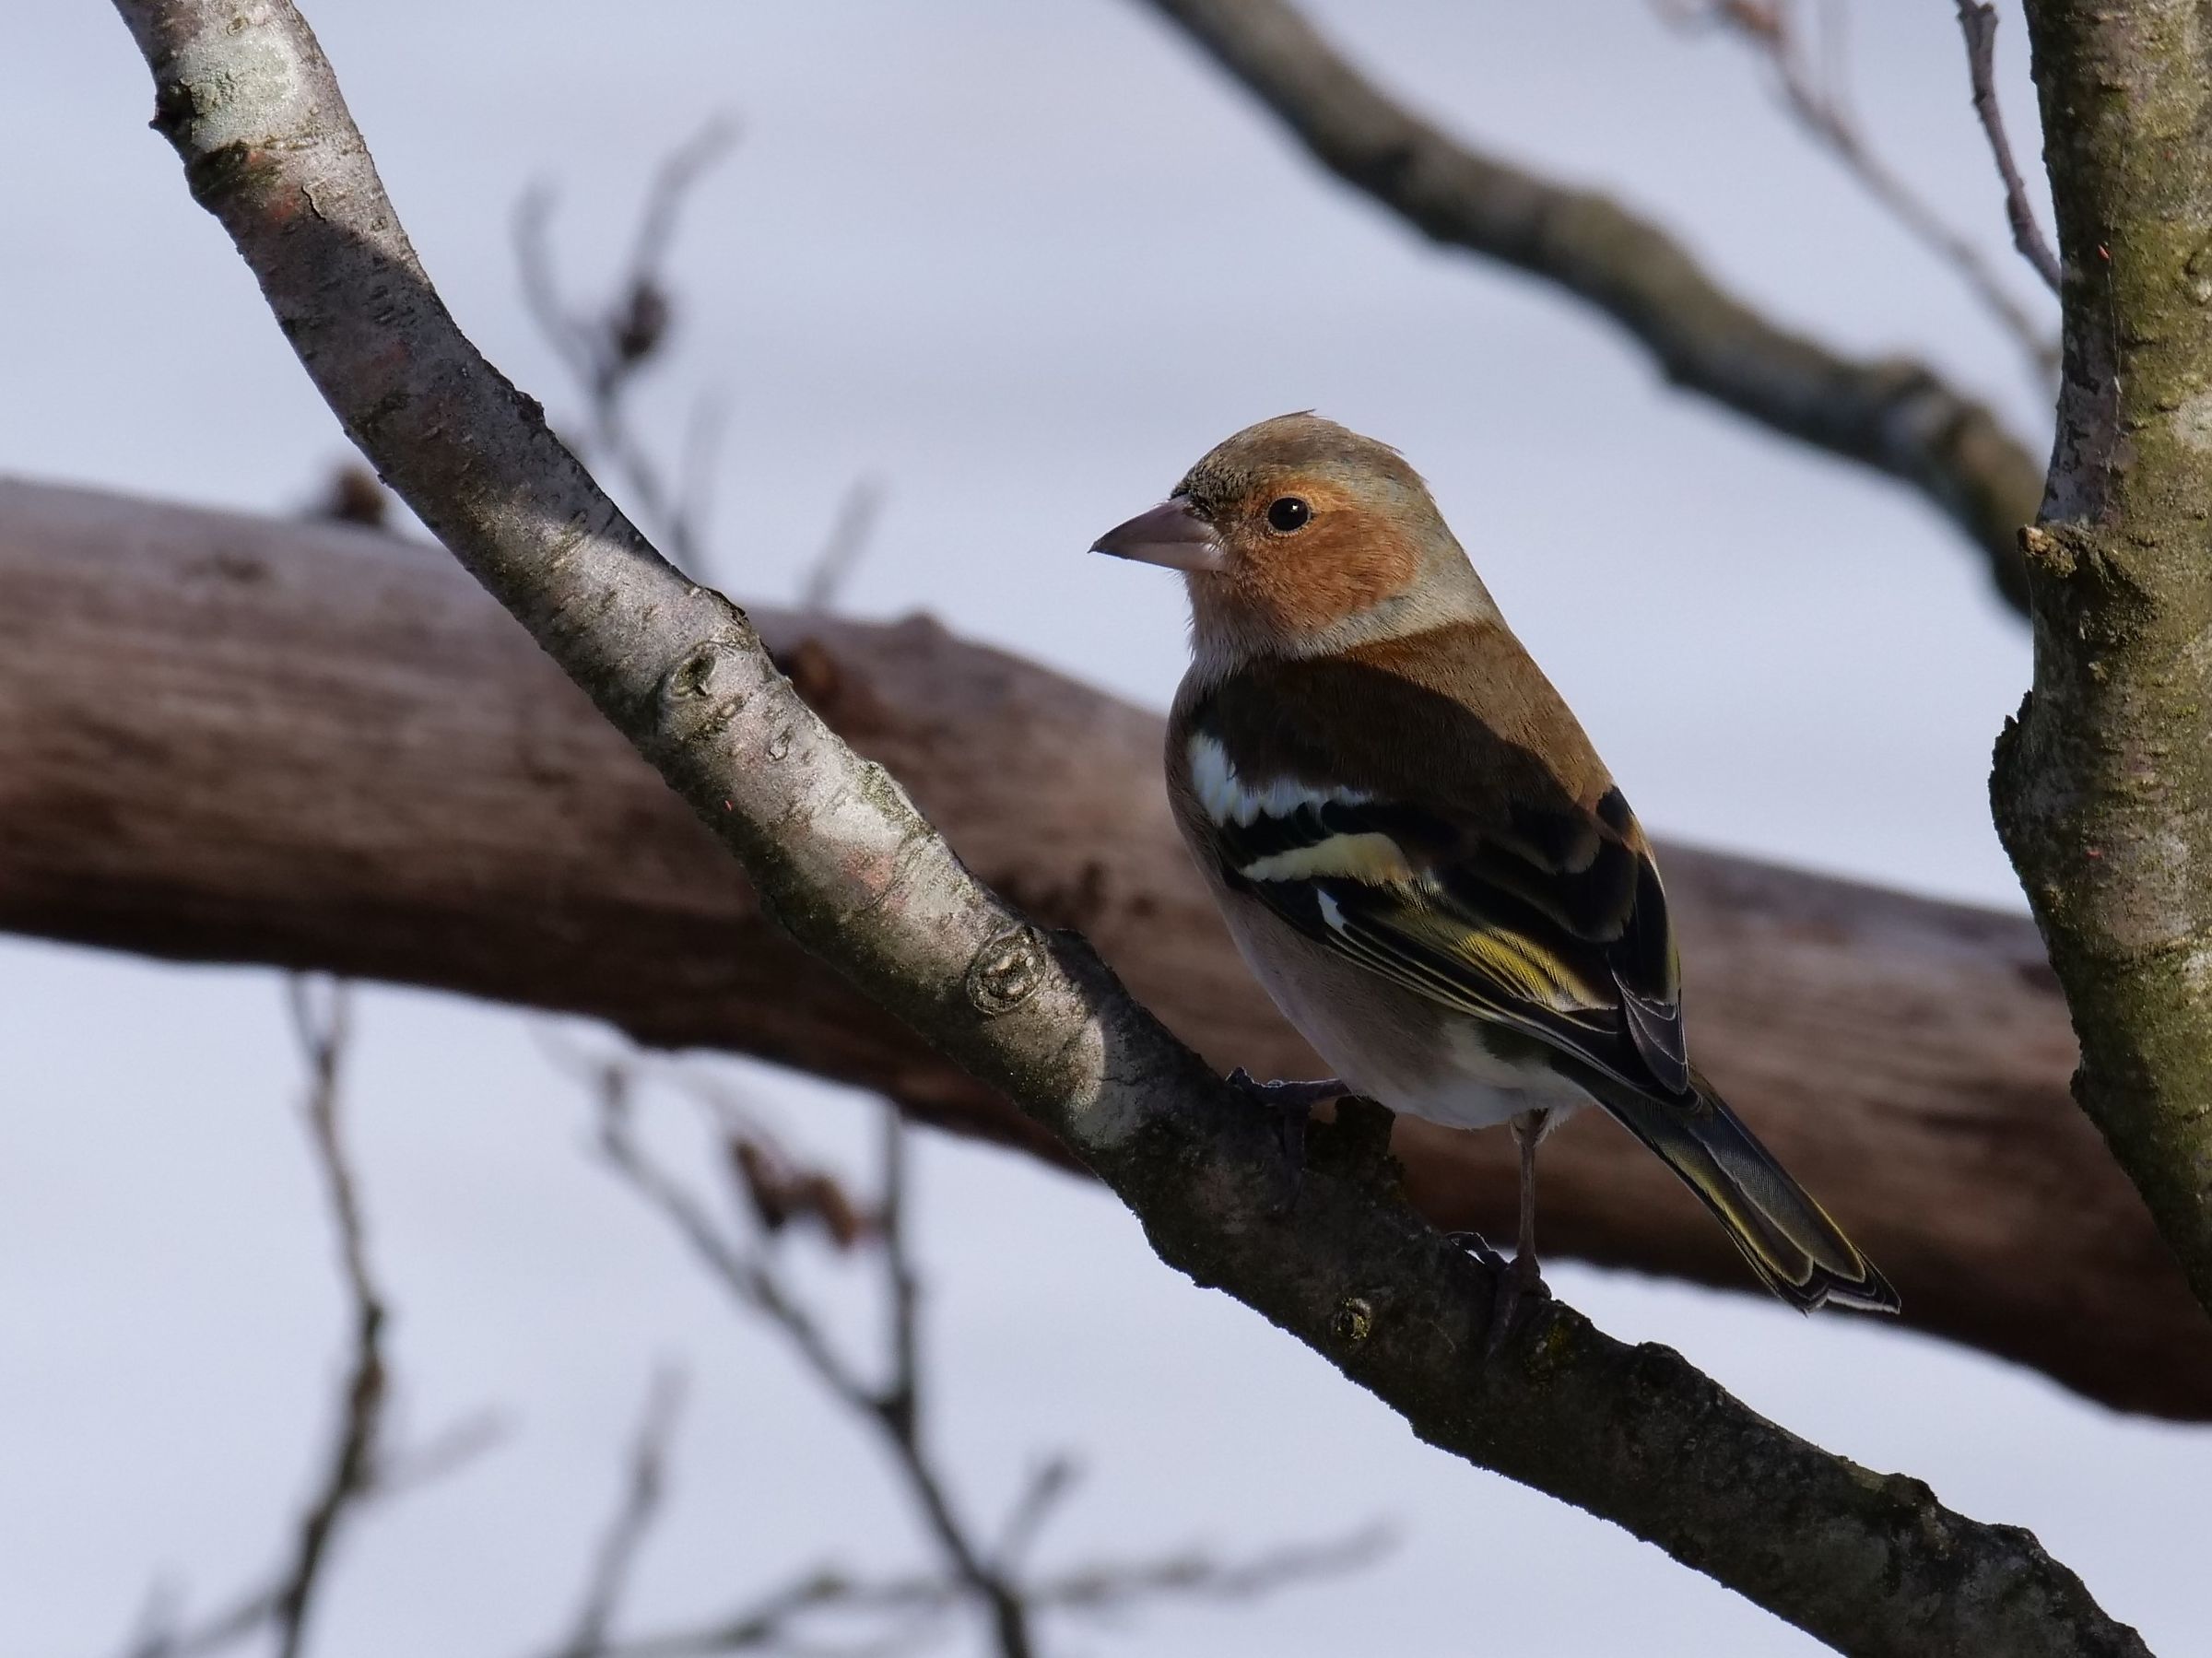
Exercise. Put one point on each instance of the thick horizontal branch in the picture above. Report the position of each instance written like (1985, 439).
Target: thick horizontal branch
(340, 753)
(848, 866)
(1899, 417)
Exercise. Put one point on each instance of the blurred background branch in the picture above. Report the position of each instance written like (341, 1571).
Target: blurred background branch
(1813, 82)
(1903, 1053)
(606, 350)
(1978, 22)
(1896, 416)
(362, 1468)
(781, 1193)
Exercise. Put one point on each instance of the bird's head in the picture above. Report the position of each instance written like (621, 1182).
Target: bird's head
(1296, 537)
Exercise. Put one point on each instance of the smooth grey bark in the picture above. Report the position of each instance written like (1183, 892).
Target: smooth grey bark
(1869, 1562)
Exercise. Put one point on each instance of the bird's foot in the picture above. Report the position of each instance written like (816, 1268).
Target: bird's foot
(1520, 1282)
(1287, 1097)
(1292, 1105)
(1515, 1281)
(1477, 1245)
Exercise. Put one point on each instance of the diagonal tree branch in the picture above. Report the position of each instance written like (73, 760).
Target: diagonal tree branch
(1776, 29)
(1896, 416)
(851, 868)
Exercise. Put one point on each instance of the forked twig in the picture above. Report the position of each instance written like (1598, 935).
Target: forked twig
(360, 1469)
(991, 1579)
(606, 351)
(1814, 91)
(1978, 23)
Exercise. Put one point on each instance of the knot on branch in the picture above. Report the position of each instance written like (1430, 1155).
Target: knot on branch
(1353, 1322)
(2049, 552)
(2097, 578)
(705, 691)
(1007, 971)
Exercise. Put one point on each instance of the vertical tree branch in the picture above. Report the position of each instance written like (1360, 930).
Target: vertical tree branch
(2103, 785)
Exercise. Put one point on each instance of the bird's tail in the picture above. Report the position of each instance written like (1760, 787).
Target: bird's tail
(1795, 1249)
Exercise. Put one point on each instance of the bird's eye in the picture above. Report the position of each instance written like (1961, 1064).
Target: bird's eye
(1288, 514)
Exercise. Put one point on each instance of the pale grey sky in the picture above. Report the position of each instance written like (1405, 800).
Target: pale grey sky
(1022, 262)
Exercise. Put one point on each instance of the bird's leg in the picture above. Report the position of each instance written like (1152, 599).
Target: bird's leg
(1523, 1279)
(1292, 1103)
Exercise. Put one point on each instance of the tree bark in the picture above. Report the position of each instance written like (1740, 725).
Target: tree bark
(342, 755)
(1894, 415)
(2103, 788)
(845, 863)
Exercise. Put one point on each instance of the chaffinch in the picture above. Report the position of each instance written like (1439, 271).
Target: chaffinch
(1417, 850)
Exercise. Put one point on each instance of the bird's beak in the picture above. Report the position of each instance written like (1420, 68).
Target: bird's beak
(1171, 535)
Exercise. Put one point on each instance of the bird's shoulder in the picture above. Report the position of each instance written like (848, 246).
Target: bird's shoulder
(1431, 806)
(1457, 720)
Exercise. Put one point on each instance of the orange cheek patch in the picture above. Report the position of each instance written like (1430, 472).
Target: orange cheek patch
(1348, 561)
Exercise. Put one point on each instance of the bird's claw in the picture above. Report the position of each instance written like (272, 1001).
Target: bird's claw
(1285, 1097)
(1521, 1280)
(1292, 1105)
(1477, 1245)
(1513, 1282)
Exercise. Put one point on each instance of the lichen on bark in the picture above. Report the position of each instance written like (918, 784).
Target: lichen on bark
(2102, 789)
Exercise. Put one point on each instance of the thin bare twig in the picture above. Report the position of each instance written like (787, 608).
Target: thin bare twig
(643, 1494)
(1102, 1589)
(1048, 1488)
(360, 1470)
(159, 1636)
(1815, 91)
(1978, 23)
(914, 1607)
(324, 1025)
(1103, 1593)
(439, 1457)
(745, 1274)
(899, 1409)
(989, 1578)
(893, 1407)
(607, 351)
(850, 534)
